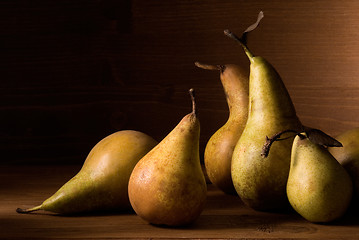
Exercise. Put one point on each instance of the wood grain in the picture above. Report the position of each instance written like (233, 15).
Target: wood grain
(73, 72)
(224, 216)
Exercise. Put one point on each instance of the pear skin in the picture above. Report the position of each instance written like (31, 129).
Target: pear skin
(220, 147)
(261, 182)
(167, 186)
(348, 156)
(318, 187)
(102, 182)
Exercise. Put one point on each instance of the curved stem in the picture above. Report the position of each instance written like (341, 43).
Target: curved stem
(276, 137)
(240, 41)
(29, 210)
(208, 66)
(243, 39)
(191, 93)
(316, 136)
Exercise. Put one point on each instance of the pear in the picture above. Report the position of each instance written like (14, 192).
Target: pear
(102, 182)
(261, 183)
(219, 148)
(318, 187)
(167, 186)
(348, 155)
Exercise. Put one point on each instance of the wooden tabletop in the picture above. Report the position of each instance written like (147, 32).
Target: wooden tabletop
(223, 217)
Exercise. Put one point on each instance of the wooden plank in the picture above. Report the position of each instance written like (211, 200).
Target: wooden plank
(224, 216)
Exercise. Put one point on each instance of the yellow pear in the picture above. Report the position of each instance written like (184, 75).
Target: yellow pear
(219, 148)
(102, 182)
(167, 186)
(318, 187)
(261, 182)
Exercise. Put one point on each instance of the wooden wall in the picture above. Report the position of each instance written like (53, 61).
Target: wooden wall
(73, 72)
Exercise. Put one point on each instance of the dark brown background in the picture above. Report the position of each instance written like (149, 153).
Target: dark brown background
(73, 72)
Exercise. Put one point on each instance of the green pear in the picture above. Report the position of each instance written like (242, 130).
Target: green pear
(219, 148)
(261, 183)
(318, 187)
(167, 186)
(102, 182)
(348, 155)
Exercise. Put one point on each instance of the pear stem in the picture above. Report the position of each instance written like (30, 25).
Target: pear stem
(192, 94)
(210, 67)
(276, 137)
(29, 210)
(241, 41)
(314, 135)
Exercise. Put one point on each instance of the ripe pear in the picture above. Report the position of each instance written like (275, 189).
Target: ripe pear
(318, 187)
(348, 155)
(261, 183)
(167, 186)
(102, 182)
(219, 148)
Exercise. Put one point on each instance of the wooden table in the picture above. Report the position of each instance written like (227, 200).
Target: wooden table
(224, 216)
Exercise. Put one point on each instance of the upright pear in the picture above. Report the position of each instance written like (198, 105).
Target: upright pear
(261, 183)
(102, 182)
(219, 148)
(318, 187)
(348, 156)
(167, 186)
